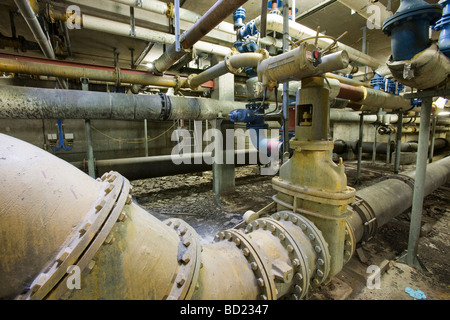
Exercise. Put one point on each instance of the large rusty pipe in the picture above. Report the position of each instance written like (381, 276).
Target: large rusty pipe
(216, 14)
(37, 103)
(125, 253)
(55, 68)
(122, 251)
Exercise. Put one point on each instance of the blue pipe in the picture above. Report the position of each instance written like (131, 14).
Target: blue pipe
(409, 28)
(444, 26)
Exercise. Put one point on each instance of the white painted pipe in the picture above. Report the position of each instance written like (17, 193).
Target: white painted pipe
(123, 29)
(185, 15)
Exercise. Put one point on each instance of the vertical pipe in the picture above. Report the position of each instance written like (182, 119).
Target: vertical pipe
(360, 142)
(398, 148)
(433, 133)
(285, 84)
(419, 183)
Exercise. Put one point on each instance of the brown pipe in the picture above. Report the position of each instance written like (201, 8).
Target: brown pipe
(57, 68)
(350, 92)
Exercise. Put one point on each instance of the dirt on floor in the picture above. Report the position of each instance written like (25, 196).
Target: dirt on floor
(190, 197)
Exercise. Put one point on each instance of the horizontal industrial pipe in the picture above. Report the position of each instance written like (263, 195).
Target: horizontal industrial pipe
(37, 103)
(397, 193)
(161, 166)
(72, 70)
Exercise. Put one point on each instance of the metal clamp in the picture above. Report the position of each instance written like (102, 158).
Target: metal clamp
(367, 216)
(166, 107)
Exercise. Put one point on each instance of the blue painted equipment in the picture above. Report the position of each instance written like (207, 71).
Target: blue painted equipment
(271, 3)
(238, 18)
(378, 82)
(409, 28)
(444, 26)
(61, 139)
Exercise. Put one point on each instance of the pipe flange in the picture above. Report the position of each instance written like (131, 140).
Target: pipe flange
(265, 282)
(349, 243)
(367, 216)
(301, 271)
(317, 241)
(86, 240)
(189, 252)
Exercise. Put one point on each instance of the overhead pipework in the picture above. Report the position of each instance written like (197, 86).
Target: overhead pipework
(415, 60)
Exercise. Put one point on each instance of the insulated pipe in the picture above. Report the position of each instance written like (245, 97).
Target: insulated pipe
(37, 103)
(298, 31)
(216, 14)
(123, 29)
(231, 64)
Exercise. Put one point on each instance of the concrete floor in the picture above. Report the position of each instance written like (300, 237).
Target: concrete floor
(190, 197)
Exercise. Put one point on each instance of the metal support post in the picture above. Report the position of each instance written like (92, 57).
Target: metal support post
(146, 137)
(419, 183)
(432, 138)
(87, 126)
(177, 26)
(360, 142)
(399, 142)
(286, 84)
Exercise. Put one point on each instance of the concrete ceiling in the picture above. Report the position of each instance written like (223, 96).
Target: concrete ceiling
(98, 48)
